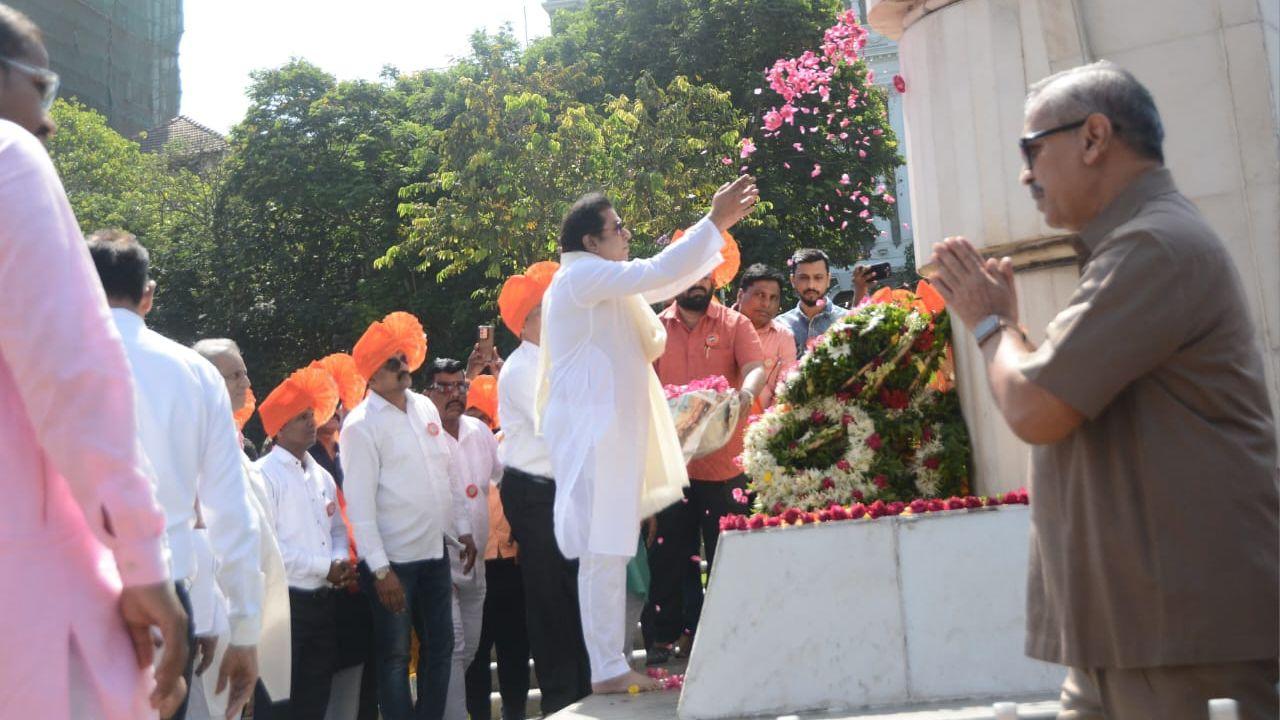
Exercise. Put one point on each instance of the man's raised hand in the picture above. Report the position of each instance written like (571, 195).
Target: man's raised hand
(733, 202)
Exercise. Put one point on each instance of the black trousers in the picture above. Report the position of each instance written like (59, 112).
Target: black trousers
(550, 591)
(675, 578)
(313, 626)
(505, 629)
(189, 671)
(355, 646)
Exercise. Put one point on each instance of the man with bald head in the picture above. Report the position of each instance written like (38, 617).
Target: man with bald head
(1154, 537)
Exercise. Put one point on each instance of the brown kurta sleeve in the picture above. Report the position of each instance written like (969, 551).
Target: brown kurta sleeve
(1131, 311)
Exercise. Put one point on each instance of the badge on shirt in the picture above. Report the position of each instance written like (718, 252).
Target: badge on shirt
(472, 491)
(712, 339)
(330, 509)
(433, 429)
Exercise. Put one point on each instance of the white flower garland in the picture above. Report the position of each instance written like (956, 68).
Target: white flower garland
(809, 487)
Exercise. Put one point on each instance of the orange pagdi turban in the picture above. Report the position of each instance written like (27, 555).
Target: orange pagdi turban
(342, 368)
(306, 389)
(726, 271)
(398, 332)
(483, 396)
(243, 414)
(522, 293)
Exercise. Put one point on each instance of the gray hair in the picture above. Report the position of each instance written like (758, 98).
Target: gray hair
(210, 348)
(1106, 88)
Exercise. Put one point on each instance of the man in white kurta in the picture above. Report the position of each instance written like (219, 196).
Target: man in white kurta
(613, 443)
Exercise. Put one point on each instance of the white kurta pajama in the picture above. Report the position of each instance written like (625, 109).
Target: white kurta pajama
(477, 451)
(613, 443)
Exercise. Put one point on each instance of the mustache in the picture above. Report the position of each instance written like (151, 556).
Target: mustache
(1037, 192)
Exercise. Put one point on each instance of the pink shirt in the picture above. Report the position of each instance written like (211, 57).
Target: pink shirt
(779, 347)
(69, 450)
(722, 343)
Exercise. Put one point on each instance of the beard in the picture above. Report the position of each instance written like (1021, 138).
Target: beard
(811, 298)
(694, 303)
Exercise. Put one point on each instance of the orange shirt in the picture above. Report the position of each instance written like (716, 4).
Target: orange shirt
(500, 544)
(722, 343)
(779, 347)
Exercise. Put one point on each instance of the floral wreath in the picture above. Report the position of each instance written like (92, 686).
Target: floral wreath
(869, 414)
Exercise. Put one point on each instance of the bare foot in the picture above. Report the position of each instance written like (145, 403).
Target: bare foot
(623, 684)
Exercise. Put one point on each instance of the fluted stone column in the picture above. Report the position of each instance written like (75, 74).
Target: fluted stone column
(1212, 67)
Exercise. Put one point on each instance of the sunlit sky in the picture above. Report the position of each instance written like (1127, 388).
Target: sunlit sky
(226, 39)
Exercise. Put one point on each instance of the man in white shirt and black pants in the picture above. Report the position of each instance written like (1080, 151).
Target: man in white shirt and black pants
(528, 494)
(398, 464)
(191, 441)
(312, 536)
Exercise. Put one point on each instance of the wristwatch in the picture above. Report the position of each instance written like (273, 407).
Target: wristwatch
(382, 572)
(988, 327)
(991, 325)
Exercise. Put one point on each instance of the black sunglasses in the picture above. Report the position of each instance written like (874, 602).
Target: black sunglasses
(1026, 142)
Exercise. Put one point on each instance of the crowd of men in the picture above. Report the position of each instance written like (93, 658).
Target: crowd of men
(385, 535)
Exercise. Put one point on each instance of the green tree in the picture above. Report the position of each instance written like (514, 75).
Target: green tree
(525, 147)
(730, 44)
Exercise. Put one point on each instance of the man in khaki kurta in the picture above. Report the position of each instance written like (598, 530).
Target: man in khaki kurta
(1154, 536)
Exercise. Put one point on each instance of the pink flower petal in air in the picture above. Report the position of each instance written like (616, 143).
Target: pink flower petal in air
(660, 540)
(817, 170)
(844, 180)
(695, 558)
(726, 161)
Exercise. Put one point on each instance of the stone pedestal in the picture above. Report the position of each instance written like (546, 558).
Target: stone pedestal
(1212, 66)
(888, 612)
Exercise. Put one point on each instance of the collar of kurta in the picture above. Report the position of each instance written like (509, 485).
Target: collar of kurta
(128, 320)
(1125, 205)
(377, 403)
(576, 256)
(283, 457)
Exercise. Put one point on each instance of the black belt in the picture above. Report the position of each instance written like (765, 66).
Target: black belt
(318, 593)
(536, 479)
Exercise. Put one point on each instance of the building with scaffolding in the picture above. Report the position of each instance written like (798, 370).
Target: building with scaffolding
(119, 57)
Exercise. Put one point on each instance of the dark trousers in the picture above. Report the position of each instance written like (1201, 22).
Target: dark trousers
(189, 671)
(550, 591)
(355, 647)
(504, 628)
(428, 595)
(314, 638)
(675, 578)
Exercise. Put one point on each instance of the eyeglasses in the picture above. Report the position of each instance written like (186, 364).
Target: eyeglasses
(1030, 149)
(47, 81)
(394, 363)
(459, 387)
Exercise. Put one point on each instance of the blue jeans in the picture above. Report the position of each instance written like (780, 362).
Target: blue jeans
(428, 596)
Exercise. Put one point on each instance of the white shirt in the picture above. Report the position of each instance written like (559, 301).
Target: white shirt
(188, 434)
(309, 529)
(397, 469)
(522, 448)
(477, 449)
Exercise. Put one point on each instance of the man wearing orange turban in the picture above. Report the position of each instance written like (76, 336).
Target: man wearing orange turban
(528, 491)
(356, 677)
(482, 400)
(398, 465)
(313, 540)
(703, 339)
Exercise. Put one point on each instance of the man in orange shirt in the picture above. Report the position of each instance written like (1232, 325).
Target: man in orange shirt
(760, 299)
(704, 338)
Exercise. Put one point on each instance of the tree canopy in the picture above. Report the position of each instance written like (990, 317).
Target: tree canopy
(340, 201)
